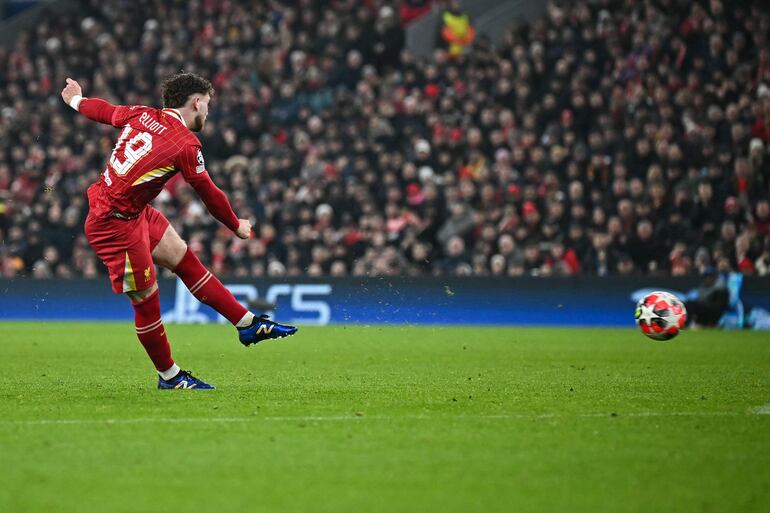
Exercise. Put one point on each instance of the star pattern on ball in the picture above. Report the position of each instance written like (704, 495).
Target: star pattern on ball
(648, 313)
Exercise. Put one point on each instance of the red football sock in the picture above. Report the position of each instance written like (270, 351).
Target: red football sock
(207, 288)
(151, 333)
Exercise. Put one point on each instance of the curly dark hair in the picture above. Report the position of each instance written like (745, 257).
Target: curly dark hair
(178, 88)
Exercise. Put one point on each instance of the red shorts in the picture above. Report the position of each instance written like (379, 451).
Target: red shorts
(125, 247)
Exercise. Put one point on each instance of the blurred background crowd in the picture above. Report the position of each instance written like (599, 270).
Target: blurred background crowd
(607, 138)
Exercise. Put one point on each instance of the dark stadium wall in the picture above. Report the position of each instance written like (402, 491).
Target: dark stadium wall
(388, 300)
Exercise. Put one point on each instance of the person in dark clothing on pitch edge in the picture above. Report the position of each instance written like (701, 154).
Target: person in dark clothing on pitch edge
(711, 300)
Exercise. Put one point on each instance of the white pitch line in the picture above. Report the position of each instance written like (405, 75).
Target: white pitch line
(763, 410)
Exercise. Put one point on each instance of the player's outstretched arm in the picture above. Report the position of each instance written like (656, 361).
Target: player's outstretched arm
(190, 163)
(217, 204)
(93, 108)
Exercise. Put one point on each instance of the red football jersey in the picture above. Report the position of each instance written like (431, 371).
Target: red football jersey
(153, 146)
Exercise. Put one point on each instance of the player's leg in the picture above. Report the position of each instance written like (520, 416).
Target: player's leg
(124, 248)
(150, 330)
(152, 335)
(171, 252)
(145, 297)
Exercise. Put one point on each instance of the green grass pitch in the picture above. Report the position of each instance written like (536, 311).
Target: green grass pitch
(385, 419)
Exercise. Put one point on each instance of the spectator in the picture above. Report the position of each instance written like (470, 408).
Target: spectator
(387, 40)
(457, 33)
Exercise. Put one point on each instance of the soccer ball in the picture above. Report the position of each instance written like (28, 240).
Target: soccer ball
(661, 315)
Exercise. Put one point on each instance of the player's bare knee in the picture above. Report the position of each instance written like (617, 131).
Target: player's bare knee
(137, 296)
(170, 249)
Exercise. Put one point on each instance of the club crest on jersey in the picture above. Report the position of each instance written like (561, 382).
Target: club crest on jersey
(201, 167)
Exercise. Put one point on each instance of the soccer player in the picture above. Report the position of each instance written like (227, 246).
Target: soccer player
(130, 236)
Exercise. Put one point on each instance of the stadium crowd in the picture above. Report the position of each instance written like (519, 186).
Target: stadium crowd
(609, 137)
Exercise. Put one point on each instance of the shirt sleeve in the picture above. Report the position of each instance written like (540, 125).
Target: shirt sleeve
(97, 109)
(192, 167)
(103, 111)
(123, 114)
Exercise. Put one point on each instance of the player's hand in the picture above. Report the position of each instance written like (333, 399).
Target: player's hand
(71, 90)
(244, 229)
